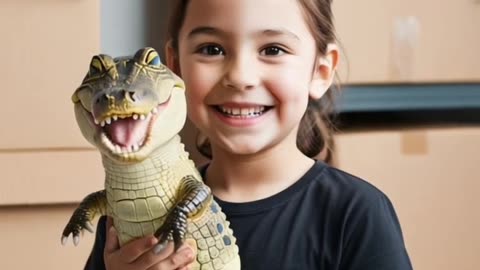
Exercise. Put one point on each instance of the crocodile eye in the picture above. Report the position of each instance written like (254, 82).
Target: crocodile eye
(155, 61)
(94, 71)
(96, 67)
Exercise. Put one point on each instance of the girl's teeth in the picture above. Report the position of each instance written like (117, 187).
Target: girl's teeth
(253, 111)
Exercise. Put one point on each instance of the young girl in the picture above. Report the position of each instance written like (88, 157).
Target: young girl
(253, 71)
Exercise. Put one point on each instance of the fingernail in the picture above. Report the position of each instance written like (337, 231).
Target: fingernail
(159, 248)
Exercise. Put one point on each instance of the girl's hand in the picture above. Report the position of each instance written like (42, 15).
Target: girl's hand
(139, 255)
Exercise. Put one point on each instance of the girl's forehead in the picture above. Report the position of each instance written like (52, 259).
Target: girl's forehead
(244, 15)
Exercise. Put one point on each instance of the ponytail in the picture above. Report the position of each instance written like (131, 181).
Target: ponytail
(315, 134)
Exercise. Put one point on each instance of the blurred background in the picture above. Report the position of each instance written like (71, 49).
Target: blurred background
(408, 118)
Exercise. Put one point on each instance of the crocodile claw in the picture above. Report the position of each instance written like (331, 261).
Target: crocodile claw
(174, 228)
(77, 224)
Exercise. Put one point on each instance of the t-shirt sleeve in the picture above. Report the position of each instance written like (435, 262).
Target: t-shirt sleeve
(373, 237)
(95, 260)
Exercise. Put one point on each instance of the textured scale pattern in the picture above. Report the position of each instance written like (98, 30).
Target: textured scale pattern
(158, 191)
(214, 239)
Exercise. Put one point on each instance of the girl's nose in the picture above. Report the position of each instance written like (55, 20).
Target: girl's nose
(241, 73)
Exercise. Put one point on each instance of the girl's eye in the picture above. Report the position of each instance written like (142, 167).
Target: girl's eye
(211, 50)
(272, 50)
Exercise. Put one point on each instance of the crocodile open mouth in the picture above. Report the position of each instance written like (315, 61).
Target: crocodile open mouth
(128, 133)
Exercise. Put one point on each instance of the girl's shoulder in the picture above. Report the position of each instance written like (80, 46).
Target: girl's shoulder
(345, 197)
(340, 184)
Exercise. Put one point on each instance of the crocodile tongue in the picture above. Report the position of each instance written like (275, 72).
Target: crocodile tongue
(127, 132)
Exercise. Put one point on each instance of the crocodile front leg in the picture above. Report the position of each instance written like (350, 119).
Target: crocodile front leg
(195, 198)
(81, 219)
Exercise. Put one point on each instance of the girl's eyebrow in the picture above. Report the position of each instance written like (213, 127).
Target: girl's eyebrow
(208, 30)
(279, 32)
(205, 30)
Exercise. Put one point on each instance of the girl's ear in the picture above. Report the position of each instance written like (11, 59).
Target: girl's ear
(172, 58)
(324, 72)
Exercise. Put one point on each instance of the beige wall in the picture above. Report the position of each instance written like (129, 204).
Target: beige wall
(47, 167)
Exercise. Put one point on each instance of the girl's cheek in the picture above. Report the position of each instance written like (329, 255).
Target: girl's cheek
(195, 79)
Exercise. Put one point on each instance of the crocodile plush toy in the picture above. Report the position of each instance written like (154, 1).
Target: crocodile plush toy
(132, 109)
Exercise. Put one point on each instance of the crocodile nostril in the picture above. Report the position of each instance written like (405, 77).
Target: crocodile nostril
(99, 99)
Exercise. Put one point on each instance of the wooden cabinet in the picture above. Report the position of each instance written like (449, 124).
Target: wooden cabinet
(391, 41)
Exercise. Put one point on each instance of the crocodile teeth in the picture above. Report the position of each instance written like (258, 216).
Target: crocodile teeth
(135, 116)
(106, 141)
(96, 121)
(108, 120)
(155, 110)
(115, 118)
(102, 123)
(142, 117)
(135, 147)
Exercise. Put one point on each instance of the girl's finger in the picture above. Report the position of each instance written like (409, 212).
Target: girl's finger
(133, 250)
(111, 243)
(130, 251)
(181, 258)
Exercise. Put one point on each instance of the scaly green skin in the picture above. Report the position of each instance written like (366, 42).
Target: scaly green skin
(151, 187)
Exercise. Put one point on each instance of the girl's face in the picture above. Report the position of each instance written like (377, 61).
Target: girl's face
(249, 67)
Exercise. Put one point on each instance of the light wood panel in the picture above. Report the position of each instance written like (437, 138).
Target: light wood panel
(31, 239)
(49, 177)
(432, 177)
(45, 50)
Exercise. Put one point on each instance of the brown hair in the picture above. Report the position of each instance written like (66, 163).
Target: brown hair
(315, 135)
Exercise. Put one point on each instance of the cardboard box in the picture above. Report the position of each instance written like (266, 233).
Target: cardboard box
(432, 176)
(408, 40)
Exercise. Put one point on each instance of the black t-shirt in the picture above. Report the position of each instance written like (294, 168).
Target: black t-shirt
(327, 220)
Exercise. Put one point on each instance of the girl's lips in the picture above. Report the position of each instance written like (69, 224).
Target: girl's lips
(241, 116)
(241, 105)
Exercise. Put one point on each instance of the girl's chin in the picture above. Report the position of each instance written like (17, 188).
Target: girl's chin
(244, 147)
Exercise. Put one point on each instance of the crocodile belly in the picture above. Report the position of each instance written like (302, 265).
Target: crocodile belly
(216, 248)
(137, 213)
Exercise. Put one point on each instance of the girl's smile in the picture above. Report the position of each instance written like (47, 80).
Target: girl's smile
(241, 114)
(248, 76)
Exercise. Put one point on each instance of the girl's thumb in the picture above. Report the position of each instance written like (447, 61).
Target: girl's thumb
(111, 244)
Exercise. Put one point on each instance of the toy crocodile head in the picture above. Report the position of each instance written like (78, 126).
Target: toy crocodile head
(129, 106)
